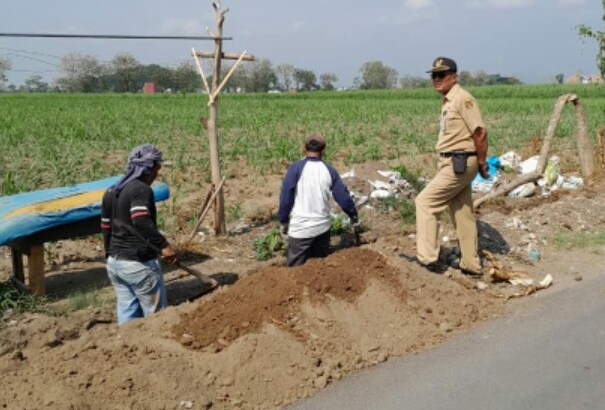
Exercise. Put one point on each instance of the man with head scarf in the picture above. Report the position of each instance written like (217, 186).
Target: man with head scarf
(131, 237)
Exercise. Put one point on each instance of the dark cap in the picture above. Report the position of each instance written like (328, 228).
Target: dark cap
(315, 143)
(442, 64)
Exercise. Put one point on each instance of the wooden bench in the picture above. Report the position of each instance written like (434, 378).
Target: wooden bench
(29, 220)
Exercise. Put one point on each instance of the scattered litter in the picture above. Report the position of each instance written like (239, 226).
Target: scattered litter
(382, 193)
(510, 160)
(481, 184)
(395, 187)
(529, 165)
(499, 273)
(380, 185)
(481, 285)
(390, 174)
(572, 182)
(350, 174)
(523, 191)
(186, 404)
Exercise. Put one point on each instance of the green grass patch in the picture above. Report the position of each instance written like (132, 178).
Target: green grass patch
(88, 298)
(404, 209)
(15, 299)
(585, 239)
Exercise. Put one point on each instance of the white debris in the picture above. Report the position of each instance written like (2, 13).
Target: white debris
(523, 191)
(380, 185)
(486, 185)
(546, 282)
(382, 193)
(390, 174)
(529, 165)
(186, 404)
(572, 182)
(511, 160)
(350, 174)
(481, 285)
(522, 281)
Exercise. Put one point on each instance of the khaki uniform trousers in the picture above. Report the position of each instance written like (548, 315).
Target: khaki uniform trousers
(454, 191)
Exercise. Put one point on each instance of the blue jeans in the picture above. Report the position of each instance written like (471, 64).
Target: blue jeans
(139, 287)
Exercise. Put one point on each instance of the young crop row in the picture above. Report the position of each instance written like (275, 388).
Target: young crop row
(60, 139)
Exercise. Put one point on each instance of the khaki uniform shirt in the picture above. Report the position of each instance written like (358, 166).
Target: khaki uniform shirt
(460, 117)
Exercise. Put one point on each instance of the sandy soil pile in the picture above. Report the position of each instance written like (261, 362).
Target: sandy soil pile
(274, 337)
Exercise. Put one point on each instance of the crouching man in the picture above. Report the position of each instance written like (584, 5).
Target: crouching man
(304, 207)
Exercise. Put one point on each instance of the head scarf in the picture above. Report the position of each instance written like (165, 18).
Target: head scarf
(140, 162)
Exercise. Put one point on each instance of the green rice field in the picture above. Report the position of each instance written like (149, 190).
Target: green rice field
(58, 139)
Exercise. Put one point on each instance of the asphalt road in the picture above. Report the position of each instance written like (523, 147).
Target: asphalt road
(547, 355)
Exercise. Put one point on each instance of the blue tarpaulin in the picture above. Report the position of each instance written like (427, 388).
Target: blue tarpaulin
(30, 212)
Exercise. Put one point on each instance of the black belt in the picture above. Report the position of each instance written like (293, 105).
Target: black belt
(452, 153)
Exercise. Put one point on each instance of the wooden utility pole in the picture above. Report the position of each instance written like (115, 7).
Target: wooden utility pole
(213, 94)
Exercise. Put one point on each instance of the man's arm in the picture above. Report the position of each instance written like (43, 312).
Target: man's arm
(106, 221)
(480, 139)
(140, 216)
(341, 195)
(288, 192)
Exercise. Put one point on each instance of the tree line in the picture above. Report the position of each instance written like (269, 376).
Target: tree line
(124, 73)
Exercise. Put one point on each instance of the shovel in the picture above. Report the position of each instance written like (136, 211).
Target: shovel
(356, 234)
(205, 279)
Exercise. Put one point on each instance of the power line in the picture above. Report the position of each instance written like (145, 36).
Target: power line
(112, 36)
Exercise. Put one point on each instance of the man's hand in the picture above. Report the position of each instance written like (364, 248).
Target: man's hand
(168, 254)
(484, 170)
(284, 229)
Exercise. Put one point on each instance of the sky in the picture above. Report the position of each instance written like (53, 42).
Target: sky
(532, 40)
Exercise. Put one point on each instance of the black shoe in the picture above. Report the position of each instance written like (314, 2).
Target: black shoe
(435, 267)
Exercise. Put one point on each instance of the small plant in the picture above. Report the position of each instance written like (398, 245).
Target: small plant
(15, 299)
(234, 212)
(267, 246)
(339, 224)
(405, 209)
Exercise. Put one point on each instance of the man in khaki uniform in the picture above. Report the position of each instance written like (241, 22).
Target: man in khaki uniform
(462, 148)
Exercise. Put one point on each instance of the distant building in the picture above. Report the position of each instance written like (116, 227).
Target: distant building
(580, 79)
(596, 79)
(574, 79)
(149, 88)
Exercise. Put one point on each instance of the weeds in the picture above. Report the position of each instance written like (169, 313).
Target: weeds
(405, 209)
(570, 240)
(15, 299)
(86, 298)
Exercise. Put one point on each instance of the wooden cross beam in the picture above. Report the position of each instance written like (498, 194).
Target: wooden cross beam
(213, 92)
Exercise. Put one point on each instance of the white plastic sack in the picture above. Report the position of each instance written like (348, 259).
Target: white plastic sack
(511, 160)
(523, 191)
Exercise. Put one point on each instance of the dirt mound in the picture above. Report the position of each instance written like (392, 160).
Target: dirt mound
(275, 294)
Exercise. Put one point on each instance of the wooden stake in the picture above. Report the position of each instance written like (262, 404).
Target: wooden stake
(201, 71)
(220, 226)
(207, 208)
(36, 270)
(216, 92)
(202, 209)
(585, 148)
